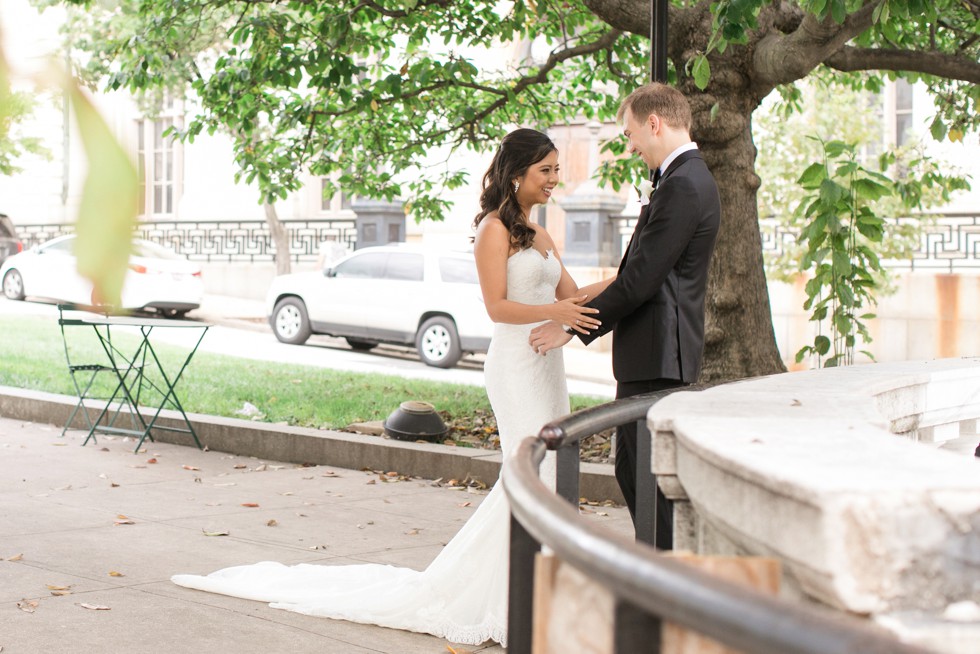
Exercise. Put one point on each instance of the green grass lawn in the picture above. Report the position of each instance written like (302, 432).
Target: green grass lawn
(32, 356)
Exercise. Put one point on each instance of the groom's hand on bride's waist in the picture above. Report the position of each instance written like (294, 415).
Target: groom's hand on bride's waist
(549, 336)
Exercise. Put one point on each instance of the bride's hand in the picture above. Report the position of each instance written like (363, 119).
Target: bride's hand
(568, 312)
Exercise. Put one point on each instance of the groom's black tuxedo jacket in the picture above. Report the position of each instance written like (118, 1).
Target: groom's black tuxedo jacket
(655, 307)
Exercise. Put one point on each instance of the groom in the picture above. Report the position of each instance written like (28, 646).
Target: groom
(655, 306)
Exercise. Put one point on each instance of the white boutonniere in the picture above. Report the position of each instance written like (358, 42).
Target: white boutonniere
(645, 189)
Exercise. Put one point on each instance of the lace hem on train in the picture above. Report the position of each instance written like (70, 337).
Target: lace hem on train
(462, 594)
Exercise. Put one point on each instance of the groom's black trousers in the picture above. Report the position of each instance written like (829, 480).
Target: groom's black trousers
(626, 460)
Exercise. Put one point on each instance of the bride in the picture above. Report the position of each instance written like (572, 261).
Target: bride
(462, 595)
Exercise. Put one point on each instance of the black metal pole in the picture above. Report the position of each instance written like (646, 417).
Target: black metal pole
(658, 41)
(520, 614)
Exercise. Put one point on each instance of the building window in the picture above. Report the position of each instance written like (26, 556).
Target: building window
(158, 157)
(339, 201)
(903, 112)
(158, 165)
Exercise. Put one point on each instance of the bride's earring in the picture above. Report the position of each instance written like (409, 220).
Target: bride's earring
(517, 185)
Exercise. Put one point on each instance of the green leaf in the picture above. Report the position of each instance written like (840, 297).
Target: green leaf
(701, 71)
(107, 211)
(938, 128)
(870, 190)
(813, 176)
(838, 11)
(842, 264)
(822, 345)
(831, 192)
(835, 149)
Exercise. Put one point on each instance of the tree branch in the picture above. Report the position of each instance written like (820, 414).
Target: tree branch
(781, 59)
(849, 59)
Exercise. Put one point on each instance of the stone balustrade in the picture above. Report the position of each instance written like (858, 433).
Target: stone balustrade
(841, 474)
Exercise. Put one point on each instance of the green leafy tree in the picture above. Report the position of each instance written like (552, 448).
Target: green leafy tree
(364, 89)
(14, 143)
(795, 128)
(840, 236)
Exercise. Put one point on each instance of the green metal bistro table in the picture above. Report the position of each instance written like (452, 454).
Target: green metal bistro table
(142, 374)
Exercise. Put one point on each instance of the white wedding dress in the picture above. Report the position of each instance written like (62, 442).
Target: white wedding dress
(462, 595)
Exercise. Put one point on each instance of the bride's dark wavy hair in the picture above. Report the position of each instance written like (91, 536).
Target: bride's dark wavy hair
(518, 151)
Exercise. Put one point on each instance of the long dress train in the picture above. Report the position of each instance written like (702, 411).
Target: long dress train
(462, 594)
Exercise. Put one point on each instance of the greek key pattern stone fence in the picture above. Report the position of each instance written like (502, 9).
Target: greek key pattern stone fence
(222, 240)
(950, 243)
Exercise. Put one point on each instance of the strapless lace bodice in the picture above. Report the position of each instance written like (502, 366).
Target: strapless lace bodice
(532, 277)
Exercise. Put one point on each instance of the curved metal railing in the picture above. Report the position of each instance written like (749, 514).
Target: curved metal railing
(648, 586)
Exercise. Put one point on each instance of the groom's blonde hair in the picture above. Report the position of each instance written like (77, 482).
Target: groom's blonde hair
(656, 98)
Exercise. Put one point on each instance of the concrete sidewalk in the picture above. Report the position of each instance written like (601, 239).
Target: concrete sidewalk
(99, 526)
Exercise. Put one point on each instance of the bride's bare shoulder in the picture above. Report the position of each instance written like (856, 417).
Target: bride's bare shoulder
(491, 228)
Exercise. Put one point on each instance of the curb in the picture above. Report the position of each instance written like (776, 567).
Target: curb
(304, 445)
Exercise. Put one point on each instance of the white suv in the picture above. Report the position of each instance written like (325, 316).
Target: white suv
(399, 294)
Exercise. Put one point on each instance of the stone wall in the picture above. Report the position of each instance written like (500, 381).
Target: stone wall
(839, 474)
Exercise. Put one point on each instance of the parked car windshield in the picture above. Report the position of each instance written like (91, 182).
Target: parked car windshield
(66, 246)
(457, 270)
(370, 266)
(406, 267)
(154, 251)
(7, 227)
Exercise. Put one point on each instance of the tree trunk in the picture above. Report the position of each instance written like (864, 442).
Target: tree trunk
(739, 340)
(280, 238)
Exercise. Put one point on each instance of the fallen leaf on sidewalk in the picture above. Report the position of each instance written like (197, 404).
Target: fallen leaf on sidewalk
(123, 520)
(251, 505)
(373, 481)
(215, 533)
(240, 466)
(16, 557)
(463, 505)
(261, 468)
(27, 606)
(153, 460)
(186, 467)
(330, 473)
(94, 607)
(454, 650)
(59, 593)
(113, 573)
(272, 523)
(55, 587)
(412, 532)
(113, 485)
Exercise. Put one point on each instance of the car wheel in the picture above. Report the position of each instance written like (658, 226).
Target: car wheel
(360, 346)
(13, 285)
(438, 342)
(290, 322)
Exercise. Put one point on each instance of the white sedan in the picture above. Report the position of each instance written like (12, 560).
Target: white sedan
(158, 278)
(390, 294)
